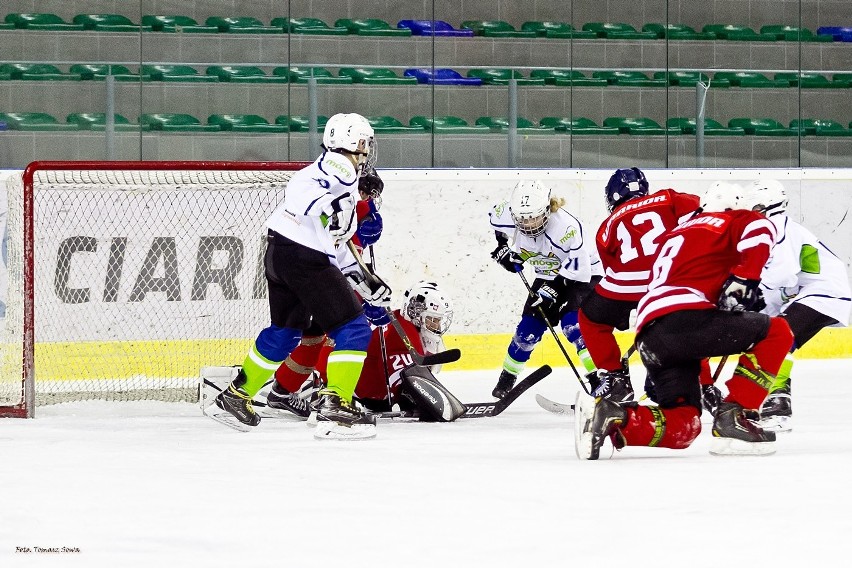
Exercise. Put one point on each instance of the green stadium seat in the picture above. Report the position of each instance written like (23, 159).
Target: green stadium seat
(748, 79)
(638, 125)
(737, 33)
(566, 78)
(577, 125)
(183, 24)
(301, 123)
(376, 76)
(809, 80)
(502, 77)
(243, 74)
(245, 123)
(793, 33)
(842, 78)
(761, 127)
(556, 30)
(108, 23)
(628, 79)
(371, 27)
(36, 72)
(6, 26)
(495, 28)
(391, 125)
(447, 125)
(711, 127)
(97, 121)
(617, 30)
(676, 31)
(819, 127)
(45, 22)
(303, 74)
(689, 79)
(242, 25)
(175, 122)
(176, 73)
(34, 121)
(99, 72)
(312, 26)
(501, 123)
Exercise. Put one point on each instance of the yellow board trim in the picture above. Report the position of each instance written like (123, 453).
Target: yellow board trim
(184, 358)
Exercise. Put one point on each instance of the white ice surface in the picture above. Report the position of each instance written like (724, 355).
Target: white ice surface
(160, 485)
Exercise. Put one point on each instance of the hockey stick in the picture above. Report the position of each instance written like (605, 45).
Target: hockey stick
(382, 344)
(482, 409)
(719, 368)
(553, 332)
(440, 358)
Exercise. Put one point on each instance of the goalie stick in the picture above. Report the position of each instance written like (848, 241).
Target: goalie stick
(483, 409)
(440, 358)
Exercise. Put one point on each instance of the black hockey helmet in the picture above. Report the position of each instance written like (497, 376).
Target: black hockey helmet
(624, 184)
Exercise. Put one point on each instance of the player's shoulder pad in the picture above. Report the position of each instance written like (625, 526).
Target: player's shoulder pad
(336, 165)
(563, 226)
(500, 209)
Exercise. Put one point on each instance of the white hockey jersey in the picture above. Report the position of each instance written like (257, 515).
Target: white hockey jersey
(562, 249)
(802, 269)
(308, 198)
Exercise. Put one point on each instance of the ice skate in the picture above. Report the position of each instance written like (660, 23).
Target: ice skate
(504, 384)
(595, 419)
(711, 397)
(735, 435)
(281, 399)
(776, 413)
(233, 407)
(614, 386)
(337, 419)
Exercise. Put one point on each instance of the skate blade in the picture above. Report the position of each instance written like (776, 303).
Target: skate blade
(226, 418)
(734, 447)
(583, 409)
(776, 424)
(312, 420)
(334, 431)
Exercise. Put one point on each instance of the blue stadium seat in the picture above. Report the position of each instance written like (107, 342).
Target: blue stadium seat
(436, 28)
(441, 77)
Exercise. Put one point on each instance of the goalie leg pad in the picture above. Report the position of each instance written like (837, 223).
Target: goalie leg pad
(433, 400)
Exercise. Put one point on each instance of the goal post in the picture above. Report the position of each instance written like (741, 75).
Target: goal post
(125, 278)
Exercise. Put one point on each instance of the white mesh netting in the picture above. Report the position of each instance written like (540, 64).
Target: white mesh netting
(141, 278)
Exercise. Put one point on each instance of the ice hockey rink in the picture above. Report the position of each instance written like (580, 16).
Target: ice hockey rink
(148, 484)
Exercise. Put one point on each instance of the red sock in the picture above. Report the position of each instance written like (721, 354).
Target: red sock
(704, 376)
(757, 368)
(601, 343)
(298, 366)
(661, 427)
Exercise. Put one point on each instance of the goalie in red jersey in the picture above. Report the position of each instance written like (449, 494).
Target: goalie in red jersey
(702, 302)
(627, 241)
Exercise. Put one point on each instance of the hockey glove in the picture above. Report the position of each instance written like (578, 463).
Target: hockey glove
(741, 295)
(547, 296)
(370, 228)
(376, 315)
(372, 290)
(507, 258)
(340, 223)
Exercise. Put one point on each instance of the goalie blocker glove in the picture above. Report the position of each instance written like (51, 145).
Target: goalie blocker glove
(740, 294)
(507, 258)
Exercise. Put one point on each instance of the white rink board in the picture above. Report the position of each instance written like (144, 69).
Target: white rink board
(436, 228)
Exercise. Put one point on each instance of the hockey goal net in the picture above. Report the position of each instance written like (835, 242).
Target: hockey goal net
(125, 278)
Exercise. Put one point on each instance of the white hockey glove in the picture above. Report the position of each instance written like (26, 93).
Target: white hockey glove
(372, 290)
(341, 223)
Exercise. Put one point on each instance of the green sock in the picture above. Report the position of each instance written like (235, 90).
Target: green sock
(782, 379)
(586, 360)
(258, 369)
(344, 370)
(512, 366)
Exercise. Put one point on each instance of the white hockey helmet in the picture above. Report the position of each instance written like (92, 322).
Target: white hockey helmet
(427, 307)
(529, 206)
(765, 195)
(350, 133)
(720, 196)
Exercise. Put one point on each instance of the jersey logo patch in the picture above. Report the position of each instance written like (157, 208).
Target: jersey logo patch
(323, 183)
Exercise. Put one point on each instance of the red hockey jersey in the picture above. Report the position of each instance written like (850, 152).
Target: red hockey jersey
(698, 257)
(374, 376)
(629, 239)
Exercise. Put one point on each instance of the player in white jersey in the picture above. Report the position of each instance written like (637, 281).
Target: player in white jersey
(533, 229)
(803, 282)
(305, 262)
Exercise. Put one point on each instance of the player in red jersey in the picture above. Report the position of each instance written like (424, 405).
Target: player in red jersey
(426, 314)
(628, 242)
(701, 303)
(298, 366)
